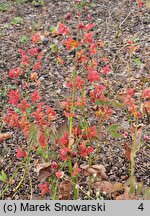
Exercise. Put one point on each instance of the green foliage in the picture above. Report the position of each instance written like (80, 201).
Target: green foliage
(17, 20)
(54, 48)
(113, 130)
(21, 1)
(6, 26)
(24, 39)
(3, 7)
(3, 176)
(137, 61)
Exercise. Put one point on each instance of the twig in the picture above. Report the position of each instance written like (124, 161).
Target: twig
(125, 19)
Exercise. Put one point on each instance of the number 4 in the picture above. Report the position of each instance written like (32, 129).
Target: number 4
(141, 207)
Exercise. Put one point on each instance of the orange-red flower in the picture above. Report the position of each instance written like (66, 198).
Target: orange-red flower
(35, 96)
(44, 187)
(14, 97)
(24, 105)
(71, 43)
(63, 29)
(76, 170)
(36, 38)
(20, 153)
(15, 73)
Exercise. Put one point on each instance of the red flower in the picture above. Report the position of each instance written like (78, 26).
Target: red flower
(89, 26)
(33, 51)
(66, 104)
(140, 3)
(37, 66)
(54, 165)
(79, 83)
(67, 114)
(42, 140)
(36, 38)
(92, 132)
(24, 105)
(97, 93)
(80, 25)
(39, 117)
(25, 61)
(50, 113)
(11, 119)
(88, 38)
(23, 52)
(93, 49)
(68, 15)
(35, 96)
(71, 43)
(106, 69)
(93, 75)
(65, 153)
(60, 60)
(82, 57)
(147, 105)
(20, 153)
(14, 97)
(76, 170)
(15, 73)
(76, 131)
(59, 174)
(44, 188)
(130, 91)
(64, 140)
(63, 29)
(34, 76)
(40, 55)
(83, 150)
(146, 93)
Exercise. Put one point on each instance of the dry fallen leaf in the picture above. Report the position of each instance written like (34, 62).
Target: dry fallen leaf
(127, 151)
(65, 190)
(137, 134)
(126, 195)
(103, 186)
(5, 136)
(108, 187)
(43, 171)
(99, 170)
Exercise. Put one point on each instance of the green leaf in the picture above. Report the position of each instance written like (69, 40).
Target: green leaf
(117, 104)
(54, 48)
(103, 102)
(24, 39)
(147, 194)
(52, 28)
(3, 7)
(6, 26)
(3, 176)
(137, 61)
(114, 127)
(115, 134)
(17, 20)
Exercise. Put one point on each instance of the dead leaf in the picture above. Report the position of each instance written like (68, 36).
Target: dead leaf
(43, 171)
(5, 136)
(127, 196)
(117, 186)
(108, 187)
(99, 170)
(65, 190)
(137, 134)
(103, 186)
(127, 151)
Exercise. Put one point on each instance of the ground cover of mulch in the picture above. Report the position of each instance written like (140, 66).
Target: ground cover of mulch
(116, 22)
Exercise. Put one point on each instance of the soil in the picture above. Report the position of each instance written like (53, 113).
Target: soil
(116, 22)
